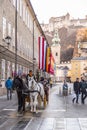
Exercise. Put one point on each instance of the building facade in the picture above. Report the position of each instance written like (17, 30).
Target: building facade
(79, 61)
(78, 65)
(63, 71)
(28, 30)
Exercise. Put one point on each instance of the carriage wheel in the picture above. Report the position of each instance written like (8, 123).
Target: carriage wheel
(27, 99)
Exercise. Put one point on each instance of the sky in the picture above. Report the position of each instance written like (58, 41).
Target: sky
(45, 9)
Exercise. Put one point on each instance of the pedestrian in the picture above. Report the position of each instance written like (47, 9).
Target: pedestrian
(83, 86)
(51, 83)
(8, 85)
(42, 80)
(30, 75)
(76, 88)
(46, 88)
(18, 83)
(65, 88)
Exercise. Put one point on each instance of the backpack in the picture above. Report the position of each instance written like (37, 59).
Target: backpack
(65, 86)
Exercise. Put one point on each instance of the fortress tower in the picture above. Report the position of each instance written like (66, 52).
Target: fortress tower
(56, 47)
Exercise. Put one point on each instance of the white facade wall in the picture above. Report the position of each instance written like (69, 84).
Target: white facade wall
(25, 19)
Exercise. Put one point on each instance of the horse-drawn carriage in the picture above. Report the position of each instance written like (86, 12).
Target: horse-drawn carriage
(40, 98)
(34, 93)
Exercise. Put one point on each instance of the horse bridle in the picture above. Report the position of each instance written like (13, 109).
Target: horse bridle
(29, 79)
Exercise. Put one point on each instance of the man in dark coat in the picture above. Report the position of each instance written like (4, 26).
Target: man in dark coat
(18, 84)
(83, 86)
(76, 88)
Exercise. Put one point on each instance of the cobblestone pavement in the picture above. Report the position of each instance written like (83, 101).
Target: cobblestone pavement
(59, 114)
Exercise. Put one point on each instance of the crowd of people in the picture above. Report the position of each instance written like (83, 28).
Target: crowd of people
(80, 87)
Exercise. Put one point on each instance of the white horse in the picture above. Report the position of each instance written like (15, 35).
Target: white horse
(35, 89)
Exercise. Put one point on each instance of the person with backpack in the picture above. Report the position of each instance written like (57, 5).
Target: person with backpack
(19, 86)
(76, 88)
(83, 86)
(65, 88)
(8, 85)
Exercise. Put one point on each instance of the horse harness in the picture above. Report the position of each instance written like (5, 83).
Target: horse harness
(32, 91)
(39, 92)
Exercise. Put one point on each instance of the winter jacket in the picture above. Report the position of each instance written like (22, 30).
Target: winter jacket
(65, 86)
(76, 86)
(83, 85)
(8, 83)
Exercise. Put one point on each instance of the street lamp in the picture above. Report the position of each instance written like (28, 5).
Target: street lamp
(7, 40)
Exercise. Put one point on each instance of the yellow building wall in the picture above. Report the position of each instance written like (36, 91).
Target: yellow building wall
(83, 65)
(75, 69)
(69, 73)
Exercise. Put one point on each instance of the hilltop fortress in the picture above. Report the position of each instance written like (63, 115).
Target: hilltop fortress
(63, 21)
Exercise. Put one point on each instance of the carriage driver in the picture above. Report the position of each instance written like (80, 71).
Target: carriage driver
(30, 75)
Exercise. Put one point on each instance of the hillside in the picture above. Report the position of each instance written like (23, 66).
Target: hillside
(67, 42)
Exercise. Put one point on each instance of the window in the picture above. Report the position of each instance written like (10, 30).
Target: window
(4, 27)
(23, 13)
(21, 8)
(28, 50)
(8, 68)
(20, 42)
(3, 69)
(28, 21)
(31, 25)
(13, 69)
(14, 3)
(23, 45)
(13, 37)
(26, 17)
(9, 29)
(18, 5)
